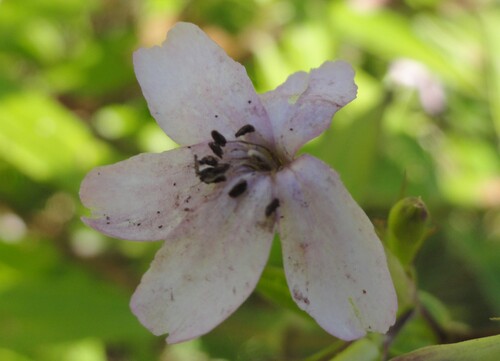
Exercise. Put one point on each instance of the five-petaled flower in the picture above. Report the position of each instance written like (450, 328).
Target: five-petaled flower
(218, 199)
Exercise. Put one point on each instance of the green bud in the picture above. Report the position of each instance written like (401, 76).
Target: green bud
(407, 228)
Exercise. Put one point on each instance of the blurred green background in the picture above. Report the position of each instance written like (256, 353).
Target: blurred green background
(427, 115)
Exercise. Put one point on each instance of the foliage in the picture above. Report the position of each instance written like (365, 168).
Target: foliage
(426, 121)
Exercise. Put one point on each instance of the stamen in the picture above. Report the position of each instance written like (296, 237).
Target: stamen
(259, 159)
(208, 160)
(248, 128)
(213, 174)
(216, 149)
(238, 189)
(219, 179)
(271, 207)
(218, 138)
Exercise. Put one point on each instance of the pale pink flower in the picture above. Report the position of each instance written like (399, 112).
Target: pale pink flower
(218, 199)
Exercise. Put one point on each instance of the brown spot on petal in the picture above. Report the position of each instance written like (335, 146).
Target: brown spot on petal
(304, 246)
(297, 294)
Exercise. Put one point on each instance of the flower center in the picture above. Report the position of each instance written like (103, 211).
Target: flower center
(234, 157)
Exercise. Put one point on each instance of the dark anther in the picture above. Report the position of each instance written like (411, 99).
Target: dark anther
(219, 179)
(213, 174)
(216, 149)
(238, 189)
(222, 167)
(262, 164)
(244, 130)
(209, 160)
(271, 207)
(218, 138)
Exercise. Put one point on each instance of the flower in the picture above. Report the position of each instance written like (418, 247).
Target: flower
(218, 199)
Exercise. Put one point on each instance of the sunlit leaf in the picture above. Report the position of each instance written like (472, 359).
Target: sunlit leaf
(389, 35)
(45, 141)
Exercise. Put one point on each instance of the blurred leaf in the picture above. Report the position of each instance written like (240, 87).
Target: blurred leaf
(388, 35)
(415, 333)
(361, 350)
(490, 21)
(436, 308)
(479, 251)
(308, 45)
(351, 149)
(404, 285)
(231, 15)
(9, 355)
(473, 164)
(273, 287)
(50, 300)
(45, 141)
(481, 349)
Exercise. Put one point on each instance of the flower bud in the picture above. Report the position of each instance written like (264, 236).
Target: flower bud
(407, 228)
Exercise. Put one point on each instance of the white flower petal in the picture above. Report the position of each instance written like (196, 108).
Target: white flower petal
(210, 267)
(145, 197)
(335, 264)
(303, 107)
(192, 87)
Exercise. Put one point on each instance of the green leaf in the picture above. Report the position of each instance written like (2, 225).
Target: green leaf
(491, 28)
(415, 333)
(273, 287)
(45, 299)
(481, 349)
(45, 141)
(404, 285)
(361, 350)
(351, 149)
(389, 35)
